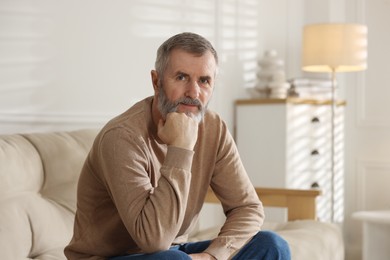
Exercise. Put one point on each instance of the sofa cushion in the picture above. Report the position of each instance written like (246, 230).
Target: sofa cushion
(310, 239)
(62, 156)
(38, 181)
(20, 166)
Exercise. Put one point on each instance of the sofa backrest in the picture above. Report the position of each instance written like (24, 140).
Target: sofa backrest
(38, 181)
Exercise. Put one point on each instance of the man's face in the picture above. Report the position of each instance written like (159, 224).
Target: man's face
(187, 84)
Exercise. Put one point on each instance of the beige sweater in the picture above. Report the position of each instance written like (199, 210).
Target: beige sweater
(135, 194)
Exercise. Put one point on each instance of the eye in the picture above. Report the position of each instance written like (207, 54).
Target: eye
(181, 77)
(204, 80)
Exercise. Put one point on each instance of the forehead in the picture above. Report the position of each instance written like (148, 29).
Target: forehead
(180, 60)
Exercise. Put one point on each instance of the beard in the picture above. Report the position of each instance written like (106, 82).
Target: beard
(165, 106)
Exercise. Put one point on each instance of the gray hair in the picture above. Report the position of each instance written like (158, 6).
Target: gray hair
(190, 42)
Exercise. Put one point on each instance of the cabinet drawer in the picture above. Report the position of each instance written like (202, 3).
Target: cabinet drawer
(308, 154)
(308, 120)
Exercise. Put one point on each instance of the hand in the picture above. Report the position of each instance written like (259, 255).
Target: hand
(202, 256)
(178, 130)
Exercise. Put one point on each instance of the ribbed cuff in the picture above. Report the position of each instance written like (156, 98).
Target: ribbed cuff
(179, 158)
(221, 250)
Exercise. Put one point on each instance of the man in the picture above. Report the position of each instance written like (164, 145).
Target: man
(145, 179)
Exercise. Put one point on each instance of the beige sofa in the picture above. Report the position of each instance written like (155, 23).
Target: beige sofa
(38, 180)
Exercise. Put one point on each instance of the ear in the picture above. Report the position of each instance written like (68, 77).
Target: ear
(155, 79)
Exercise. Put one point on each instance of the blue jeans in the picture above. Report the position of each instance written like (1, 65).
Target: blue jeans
(265, 245)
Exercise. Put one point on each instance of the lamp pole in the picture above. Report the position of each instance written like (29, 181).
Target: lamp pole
(333, 141)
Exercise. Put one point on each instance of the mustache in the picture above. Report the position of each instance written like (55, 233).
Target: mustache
(189, 101)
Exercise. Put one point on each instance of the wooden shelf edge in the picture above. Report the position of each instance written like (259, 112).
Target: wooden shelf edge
(301, 204)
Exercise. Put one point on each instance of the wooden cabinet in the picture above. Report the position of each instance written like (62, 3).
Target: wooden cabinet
(287, 143)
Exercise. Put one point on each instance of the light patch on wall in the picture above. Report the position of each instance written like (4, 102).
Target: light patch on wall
(23, 27)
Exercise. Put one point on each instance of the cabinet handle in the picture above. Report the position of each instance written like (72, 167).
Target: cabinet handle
(315, 152)
(315, 185)
(315, 120)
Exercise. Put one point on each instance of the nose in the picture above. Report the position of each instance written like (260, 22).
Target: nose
(193, 90)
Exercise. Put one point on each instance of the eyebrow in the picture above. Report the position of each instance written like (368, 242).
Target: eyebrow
(181, 73)
(187, 75)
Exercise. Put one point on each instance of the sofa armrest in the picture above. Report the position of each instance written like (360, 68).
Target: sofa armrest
(300, 204)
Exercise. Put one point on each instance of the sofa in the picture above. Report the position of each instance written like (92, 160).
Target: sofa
(38, 181)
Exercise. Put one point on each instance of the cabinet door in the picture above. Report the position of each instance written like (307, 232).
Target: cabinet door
(261, 141)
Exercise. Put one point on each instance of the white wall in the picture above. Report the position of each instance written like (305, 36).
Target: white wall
(67, 63)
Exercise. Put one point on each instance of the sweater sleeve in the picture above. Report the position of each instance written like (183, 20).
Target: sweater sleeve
(152, 215)
(241, 205)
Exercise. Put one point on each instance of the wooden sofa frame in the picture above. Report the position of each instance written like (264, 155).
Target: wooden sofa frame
(300, 204)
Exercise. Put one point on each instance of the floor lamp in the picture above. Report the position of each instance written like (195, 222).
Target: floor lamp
(333, 48)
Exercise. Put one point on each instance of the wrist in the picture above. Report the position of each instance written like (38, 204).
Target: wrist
(183, 145)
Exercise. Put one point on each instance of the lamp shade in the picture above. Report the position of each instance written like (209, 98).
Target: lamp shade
(335, 47)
